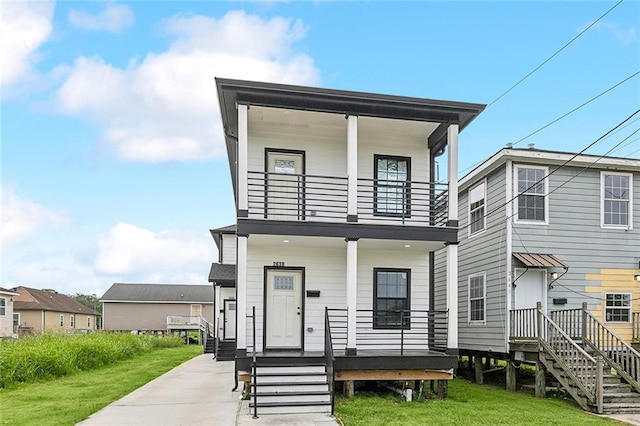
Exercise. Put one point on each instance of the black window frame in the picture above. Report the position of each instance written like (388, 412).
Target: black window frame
(406, 199)
(406, 323)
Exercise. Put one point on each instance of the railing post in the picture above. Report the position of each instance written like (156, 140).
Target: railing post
(402, 313)
(584, 322)
(599, 384)
(540, 328)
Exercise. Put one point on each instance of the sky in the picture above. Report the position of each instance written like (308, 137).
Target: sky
(113, 162)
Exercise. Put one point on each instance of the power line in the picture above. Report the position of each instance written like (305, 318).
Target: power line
(554, 55)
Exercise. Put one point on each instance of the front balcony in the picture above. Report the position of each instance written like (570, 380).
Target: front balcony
(315, 198)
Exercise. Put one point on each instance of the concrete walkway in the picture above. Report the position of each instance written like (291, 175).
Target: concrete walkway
(197, 392)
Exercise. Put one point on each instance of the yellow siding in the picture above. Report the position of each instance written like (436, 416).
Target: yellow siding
(615, 281)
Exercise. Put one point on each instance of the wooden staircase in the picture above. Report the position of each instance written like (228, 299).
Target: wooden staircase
(290, 388)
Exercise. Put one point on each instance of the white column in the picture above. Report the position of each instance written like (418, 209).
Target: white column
(452, 295)
(352, 166)
(452, 149)
(352, 293)
(241, 293)
(242, 159)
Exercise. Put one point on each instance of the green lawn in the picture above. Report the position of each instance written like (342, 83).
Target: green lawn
(70, 399)
(466, 404)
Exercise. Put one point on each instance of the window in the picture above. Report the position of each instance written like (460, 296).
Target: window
(88, 322)
(477, 297)
(16, 320)
(391, 297)
(476, 208)
(391, 188)
(616, 189)
(61, 320)
(532, 192)
(618, 307)
(3, 306)
(72, 321)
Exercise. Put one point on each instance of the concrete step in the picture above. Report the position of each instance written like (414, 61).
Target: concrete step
(293, 408)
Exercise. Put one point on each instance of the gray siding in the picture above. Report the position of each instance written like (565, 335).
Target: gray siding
(146, 316)
(484, 252)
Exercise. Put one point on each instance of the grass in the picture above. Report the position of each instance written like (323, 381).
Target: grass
(466, 404)
(70, 399)
(38, 358)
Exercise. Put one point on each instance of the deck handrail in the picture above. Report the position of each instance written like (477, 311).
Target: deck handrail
(329, 357)
(574, 361)
(623, 358)
(396, 329)
(635, 321)
(523, 324)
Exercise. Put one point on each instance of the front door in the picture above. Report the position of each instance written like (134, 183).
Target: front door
(196, 310)
(284, 198)
(229, 330)
(283, 310)
(530, 288)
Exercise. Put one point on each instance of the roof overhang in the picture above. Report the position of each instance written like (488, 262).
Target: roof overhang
(539, 260)
(234, 92)
(222, 274)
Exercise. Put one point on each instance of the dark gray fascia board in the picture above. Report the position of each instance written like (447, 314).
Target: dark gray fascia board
(233, 92)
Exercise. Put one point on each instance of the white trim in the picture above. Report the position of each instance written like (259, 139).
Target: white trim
(352, 165)
(452, 165)
(482, 274)
(484, 208)
(508, 209)
(629, 225)
(452, 295)
(544, 196)
(4, 306)
(604, 310)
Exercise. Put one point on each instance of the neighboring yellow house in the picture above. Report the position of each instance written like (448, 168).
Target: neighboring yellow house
(40, 311)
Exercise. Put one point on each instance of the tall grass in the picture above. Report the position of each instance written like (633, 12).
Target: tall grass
(39, 358)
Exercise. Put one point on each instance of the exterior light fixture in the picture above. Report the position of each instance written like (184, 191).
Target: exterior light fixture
(285, 241)
(553, 275)
(407, 245)
(636, 277)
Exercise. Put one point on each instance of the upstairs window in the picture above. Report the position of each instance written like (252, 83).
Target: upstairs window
(618, 307)
(391, 298)
(391, 188)
(477, 298)
(616, 190)
(532, 188)
(477, 208)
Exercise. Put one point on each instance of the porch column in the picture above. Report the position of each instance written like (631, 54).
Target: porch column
(352, 278)
(452, 169)
(352, 168)
(452, 297)
(242, 159)
(241, 296)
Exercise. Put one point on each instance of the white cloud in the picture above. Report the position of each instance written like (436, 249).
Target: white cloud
(114, 18)
(624, 36)
(128, 250)
(24, 27)
(21, 217)
(165, 107)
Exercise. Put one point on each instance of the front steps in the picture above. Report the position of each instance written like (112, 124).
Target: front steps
(226, 350)
(289, 389)
(619, 397)
(210, 346)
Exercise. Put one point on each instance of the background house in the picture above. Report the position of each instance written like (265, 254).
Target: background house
(7, 317)
(40, 311)
(146, 307)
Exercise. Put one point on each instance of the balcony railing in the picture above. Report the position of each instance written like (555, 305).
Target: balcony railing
(299, 197)
(402, 331)
(186, 321)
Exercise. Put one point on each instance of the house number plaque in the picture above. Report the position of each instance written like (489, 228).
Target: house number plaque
(278, 263)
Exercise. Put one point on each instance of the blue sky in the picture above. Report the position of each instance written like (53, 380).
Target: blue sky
(113, 164)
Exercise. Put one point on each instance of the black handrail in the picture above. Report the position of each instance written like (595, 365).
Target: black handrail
(254, 378)
(329, 357)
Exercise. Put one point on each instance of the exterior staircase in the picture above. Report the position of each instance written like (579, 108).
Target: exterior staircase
(290, 388)
(210, 345)
(226, 350)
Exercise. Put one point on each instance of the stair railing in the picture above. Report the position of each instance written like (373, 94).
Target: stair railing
(584, 371)
(581, 324)
(254, 373)
(329, 357)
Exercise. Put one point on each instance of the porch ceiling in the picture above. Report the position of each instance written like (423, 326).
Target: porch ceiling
(288, 241)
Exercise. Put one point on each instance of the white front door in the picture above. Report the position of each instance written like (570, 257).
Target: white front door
(285, 185)
(530, 288)
(229, 331)
(284, 309)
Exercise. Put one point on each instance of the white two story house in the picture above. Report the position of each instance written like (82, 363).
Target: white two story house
(338, 218)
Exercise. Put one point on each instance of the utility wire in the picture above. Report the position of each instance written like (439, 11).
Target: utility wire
(554, 55)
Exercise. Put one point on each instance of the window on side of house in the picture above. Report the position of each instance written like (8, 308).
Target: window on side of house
(617, 307)
(72, 321)
(61, 320)
(391, 186)
(616, 190)
(477, 196)
(3, 306)
(88, 322)
(477, 298)
(391, 291)
(16, 320)
(532, 189)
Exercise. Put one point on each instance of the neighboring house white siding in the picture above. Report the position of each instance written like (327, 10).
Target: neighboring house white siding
(229, 249)
(6, 315)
